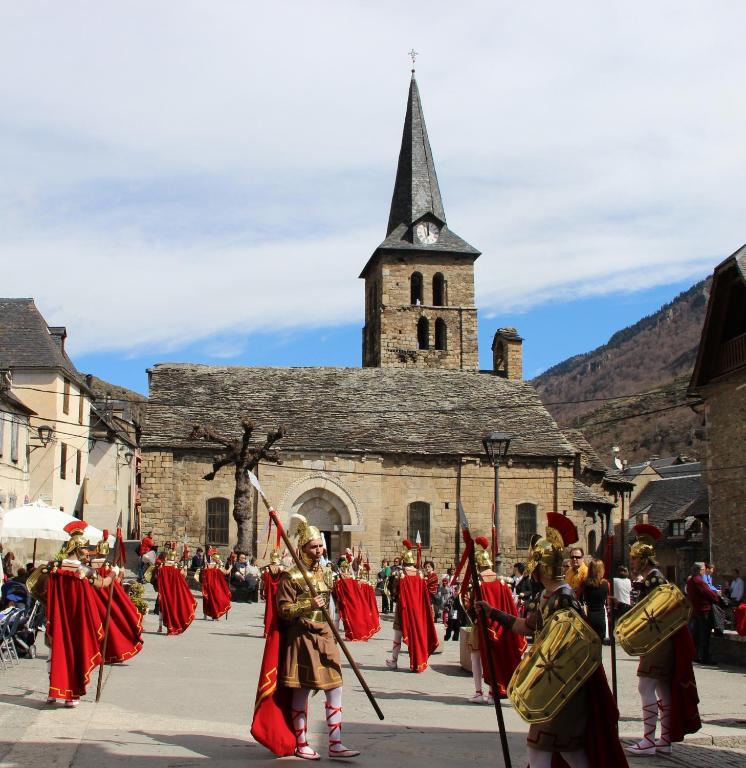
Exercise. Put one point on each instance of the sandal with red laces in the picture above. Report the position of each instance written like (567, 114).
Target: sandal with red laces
(302, 748)
(337, 750)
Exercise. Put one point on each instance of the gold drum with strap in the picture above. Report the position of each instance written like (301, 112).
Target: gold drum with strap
(564, 655)
(653, 620)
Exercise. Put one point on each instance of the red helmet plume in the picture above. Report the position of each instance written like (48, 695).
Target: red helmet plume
(407, 544)
(74, 526)
(483, 542)
(564, 526)
(645, 530)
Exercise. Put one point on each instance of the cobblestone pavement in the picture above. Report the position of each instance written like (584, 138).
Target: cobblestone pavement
(189, 698)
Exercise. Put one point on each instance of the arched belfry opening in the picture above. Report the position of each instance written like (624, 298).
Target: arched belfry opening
(416, 288)
(439, 290)
(423, 333)
(441, 334)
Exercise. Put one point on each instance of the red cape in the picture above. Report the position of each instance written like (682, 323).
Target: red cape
(358, 611)
(684, 696)
(125, 624)
(417, 625)
(739, 616)
(216, 597)
(272, 724)
(74, 633)
(506, 648)
(177, 604)
(271, 583)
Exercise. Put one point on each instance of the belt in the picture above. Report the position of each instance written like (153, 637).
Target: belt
(316, 616)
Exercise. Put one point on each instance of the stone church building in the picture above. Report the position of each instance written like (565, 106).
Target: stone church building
(378, 453)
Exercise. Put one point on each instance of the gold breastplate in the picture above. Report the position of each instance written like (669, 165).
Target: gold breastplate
(322, 579)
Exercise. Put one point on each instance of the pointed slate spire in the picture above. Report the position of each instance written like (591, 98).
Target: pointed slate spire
(416, 189)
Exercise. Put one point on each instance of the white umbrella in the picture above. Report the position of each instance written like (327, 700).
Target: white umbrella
(39, 521)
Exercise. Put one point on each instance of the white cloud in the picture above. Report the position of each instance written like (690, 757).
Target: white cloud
(187, 170)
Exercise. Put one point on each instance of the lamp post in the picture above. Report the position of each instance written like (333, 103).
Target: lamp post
(496, 446)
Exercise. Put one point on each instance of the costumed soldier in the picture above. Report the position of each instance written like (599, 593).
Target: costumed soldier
(125, 622)
(666, 683)
(308, 658)
(177, 605)
(560, 687)
(506, 648)
(216, 596)
(74, 624)
(356, 605)
(413, 617)
(270, 582)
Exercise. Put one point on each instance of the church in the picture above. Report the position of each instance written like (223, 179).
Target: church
(388, 450)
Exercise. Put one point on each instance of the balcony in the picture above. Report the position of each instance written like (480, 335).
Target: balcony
(732, 355)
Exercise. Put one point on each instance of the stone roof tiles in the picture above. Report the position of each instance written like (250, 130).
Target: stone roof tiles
(664, 498)
(352, 410)
(583, 494)
(588, 456)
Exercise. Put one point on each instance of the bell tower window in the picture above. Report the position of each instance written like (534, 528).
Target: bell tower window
(423, 333)
(439, 290)
(441, 334)
(416, 288)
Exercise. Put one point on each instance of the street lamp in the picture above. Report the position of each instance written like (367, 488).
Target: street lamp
(45, 433)
(496, 446)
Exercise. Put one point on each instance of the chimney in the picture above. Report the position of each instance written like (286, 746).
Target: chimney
(507, 354)
(59, 334)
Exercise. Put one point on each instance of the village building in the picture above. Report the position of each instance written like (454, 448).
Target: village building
(375, 454)
(719, 379)
(15, 445)
(45, 380)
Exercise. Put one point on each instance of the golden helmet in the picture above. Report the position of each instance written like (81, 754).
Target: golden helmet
(644, 547)
(344, 565)
(481, 552)
(77, 541)
(303, 531)
(274, 557)
(407, 556)
(549, 550)
(171, 554)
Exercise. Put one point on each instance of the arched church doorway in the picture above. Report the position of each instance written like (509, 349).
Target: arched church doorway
(329, 513)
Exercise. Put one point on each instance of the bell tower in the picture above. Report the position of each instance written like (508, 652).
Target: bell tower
(419, 282)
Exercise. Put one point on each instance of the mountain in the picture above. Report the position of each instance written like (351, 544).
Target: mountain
(645, 367)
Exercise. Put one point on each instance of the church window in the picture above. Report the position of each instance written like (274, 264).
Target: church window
(423, 333)
(418, 519)
(525, 525)
(415, 285)
(217, 522)
(441, 334)
(592, 543)
(439, 290)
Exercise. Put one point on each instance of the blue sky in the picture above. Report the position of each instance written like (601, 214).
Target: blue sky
(204, 182)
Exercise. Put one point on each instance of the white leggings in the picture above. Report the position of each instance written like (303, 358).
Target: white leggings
(539, 759)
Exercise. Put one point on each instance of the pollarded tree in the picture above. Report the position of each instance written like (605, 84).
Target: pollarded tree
(239, 453)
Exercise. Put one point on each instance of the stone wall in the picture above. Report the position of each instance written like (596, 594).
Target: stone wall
(390, 333)
(725, 412)
(372, 493)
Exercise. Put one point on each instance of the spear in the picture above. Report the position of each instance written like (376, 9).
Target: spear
(483, 635)
(273, 515)
(107, 621)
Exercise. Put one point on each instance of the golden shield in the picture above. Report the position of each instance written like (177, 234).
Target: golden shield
(564, 655)
(653, 620)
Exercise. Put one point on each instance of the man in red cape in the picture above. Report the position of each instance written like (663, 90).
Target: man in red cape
(413, 620)
(506, 648)
(216, 596)
(666, 677)
(582, 733)
(358, 612)
(74, 625)
(125, 622)
(177, 604)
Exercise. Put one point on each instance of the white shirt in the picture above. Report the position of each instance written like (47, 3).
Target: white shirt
(736, 589)
(622, 590)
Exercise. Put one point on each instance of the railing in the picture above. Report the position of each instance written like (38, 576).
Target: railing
(732, 354)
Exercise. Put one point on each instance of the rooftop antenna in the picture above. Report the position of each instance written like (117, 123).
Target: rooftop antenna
(413, 55)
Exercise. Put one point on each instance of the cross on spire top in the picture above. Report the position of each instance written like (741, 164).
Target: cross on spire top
(413, 55)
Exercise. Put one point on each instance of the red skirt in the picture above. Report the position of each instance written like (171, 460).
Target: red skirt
(177, 603)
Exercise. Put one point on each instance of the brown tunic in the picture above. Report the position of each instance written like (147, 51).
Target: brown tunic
(659, 662)
(311, 658)
(566, 731)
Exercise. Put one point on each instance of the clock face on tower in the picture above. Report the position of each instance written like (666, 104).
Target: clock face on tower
(426, 232)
